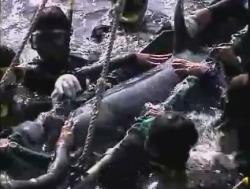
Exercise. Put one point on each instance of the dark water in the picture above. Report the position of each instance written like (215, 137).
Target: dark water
(16, 16)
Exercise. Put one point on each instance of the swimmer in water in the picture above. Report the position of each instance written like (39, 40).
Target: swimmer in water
(203, 165)
(51, 40)
(155, 143)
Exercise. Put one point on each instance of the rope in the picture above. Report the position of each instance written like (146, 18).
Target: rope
(101, 82)
(70, 11)
(15, 60)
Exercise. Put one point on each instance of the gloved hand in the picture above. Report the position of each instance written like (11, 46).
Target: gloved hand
(67, 85)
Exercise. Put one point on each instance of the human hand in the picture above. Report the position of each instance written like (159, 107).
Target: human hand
(184, 68)
(152, 58)
(226, 55)
(67, 85)
(154, 109)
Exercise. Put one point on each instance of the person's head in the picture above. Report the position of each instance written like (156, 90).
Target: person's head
(133, 11)
(170, 137)
(6, 56)
(237, 111)
(51, 35)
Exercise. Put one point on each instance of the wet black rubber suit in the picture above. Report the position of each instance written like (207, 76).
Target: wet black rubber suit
(130, 165)
(227, 17)
(238, 10)
(32, 134)
(131, 159)
(42, 78)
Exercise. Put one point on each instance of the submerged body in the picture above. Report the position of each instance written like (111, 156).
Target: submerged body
(126, 103)
(115, 104)
(117, 112)
(120, 105)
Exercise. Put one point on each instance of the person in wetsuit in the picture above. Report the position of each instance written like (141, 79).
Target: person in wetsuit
(51, 40)
(217, 21)
(237, 123)
(6, 54)
(156, 143)
(228, 161)
(235, 55)
(208, 166)
(208, 21)
(131, 18)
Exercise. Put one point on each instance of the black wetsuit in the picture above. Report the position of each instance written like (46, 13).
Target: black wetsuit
(228, 17)
(129, 163)
(30, 110)
(32, 134)
(130, 166)
(42, 77)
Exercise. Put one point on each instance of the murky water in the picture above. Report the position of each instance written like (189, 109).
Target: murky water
(16, 16)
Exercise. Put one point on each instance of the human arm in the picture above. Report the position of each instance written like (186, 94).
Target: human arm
(67, 85)
(120, 163)
(184, 68)
(207, 72)
(35, 79)
(240, 47)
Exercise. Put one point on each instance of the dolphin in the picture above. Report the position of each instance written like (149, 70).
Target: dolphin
(124, 102)
(120, 105)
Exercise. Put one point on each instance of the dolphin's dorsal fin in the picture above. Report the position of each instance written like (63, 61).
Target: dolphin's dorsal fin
(180, 30)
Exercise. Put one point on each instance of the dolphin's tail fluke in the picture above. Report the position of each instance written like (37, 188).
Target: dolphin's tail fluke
(180, 30)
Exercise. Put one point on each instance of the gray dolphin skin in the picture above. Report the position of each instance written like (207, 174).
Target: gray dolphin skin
(126, 102)
(119, 107)
(123, 103)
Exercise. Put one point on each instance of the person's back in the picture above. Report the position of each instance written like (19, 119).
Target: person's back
(152, 145)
